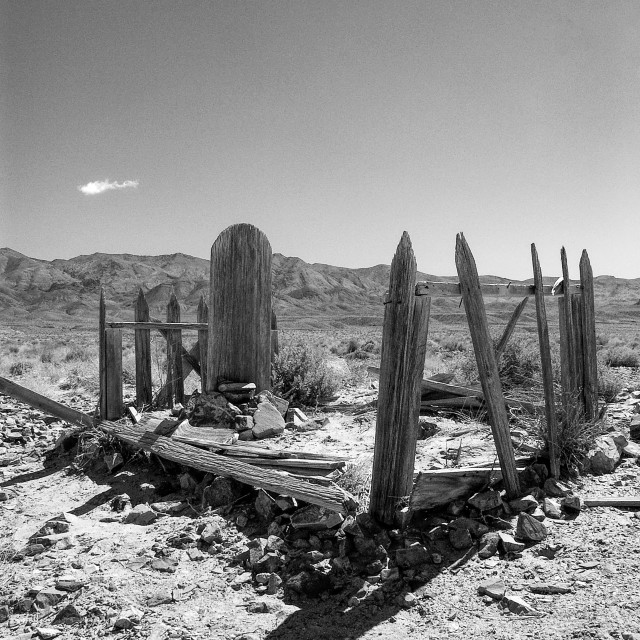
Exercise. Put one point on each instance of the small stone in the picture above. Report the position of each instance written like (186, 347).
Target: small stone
(488, 545)
(265, 505)
(4, 613)
(212, 533)
(141, 514)
(551, 509)
(243, 423)
(509, 544)
(273, 584)
(493, 587)
(556, 489)
(315, 518)
(571, 504)
(128, 618)
(268, 421)
(606, 453)
(539, 515)
(195, 554)
(113, 461)
(164, 565)
(485, 500)
(407, 600)
(529, 529)
(517, 605)
(48, 633)
(48, 598)
(548, 588)
(412, 556)
(528, 504)
(460, 538)
(71, 583)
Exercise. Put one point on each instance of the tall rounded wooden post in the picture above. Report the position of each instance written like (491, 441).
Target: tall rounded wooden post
(239, 346)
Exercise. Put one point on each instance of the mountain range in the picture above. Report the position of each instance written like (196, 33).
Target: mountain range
(312, 296)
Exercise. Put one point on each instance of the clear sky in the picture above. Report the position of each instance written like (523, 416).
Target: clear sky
(332, 126)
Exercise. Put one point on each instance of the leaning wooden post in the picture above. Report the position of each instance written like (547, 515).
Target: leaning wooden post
(203, 316)
(567, 352)
(590, 363)
(576, 328)
(547, 369)
(174, 353)
(142, 337)
(275, 345)
(509, 329)
(102, 359)
(113, 373)
(487, 364)
(240, 308)
(404, 343)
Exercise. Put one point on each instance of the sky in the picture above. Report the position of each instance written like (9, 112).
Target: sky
(148, 127)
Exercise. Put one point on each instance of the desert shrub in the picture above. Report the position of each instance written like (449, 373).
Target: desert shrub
(356, 479)
(302, 375)
(47, 355)
(77, 354)
(619, 356)
(610, 383)
(19, 368)
(453, 344)
(520, 363)
(359, 354)
(14, 349)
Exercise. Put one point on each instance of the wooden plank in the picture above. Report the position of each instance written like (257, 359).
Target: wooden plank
(569, 385)
(142, 339)
(240, 312)
(404, 338)
(299, 463)
(509, 329)
(275, 344)
(428, 288)
(113, 383)
(191, 358)
(427, 385)
(203, 340)
(44, 404)
(442, 486)
(612, 501)
(102, 360)
(174, 353)
(547, 370)
(157, 324)
(576, 326)
(453, 403)
(331, 497)
(590, 363)
(487, 364)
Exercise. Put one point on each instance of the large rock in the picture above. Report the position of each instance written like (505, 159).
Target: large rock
(606, 453)
(211, 409)
(267, 421)
(529, 529)
(141, 514)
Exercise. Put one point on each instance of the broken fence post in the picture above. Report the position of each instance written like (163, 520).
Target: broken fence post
(174, 354)
(404, 340)
(509, 329)
(567, 355)
(142, 337)
(203, 316)
(547, 369)
(487, 364)
(240, 308)
(102, 358)
(590, 363)
(113, 373)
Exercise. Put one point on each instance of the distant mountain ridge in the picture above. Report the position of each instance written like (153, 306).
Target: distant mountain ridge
(311, 295)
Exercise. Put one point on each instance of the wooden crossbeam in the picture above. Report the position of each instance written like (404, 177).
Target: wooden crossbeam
(428, 288)
(166, 326)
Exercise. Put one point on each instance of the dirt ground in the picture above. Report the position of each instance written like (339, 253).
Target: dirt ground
(108, 570)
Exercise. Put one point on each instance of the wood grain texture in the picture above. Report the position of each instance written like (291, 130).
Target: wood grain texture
(547, 368)
(203, 340)
(102, 359)
(275, 343)
(576, 327)
(612, 501)
(113, 383)
(175, 375)
(509, 329)
(240, 308)
(486, 361)
(404, 338)
(44, 404)
(590, 363)
(166, 326)
(569, 384)
(142, 339)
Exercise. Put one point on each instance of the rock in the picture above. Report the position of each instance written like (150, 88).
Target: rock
(528, 504)
(281, 405)
(128, 618)
(556, 489)
(517, 605)
(605, 454)
(211, 533)
(551, 509)
(315, 518)
(48, 633)
(268, 563)
(493, 587)
(210, 409)
(309, 583)
(548, 588)
(474, 527)
(485, 500)
(412, 556)
(529, 529)
(246, 436)
(460, 538)
(268, 421)
(69, 614)
(541, 471)
(634, 428)
(4, 613)
(121, 502)
(141, 514)
(195, 555)
(48, 598)
(407, 600)
(388, 575)
(113, 461)
(632, 450)
(243, 423)
(265, 505)
(509, 545)
(488, 545)
(273, 584)
(571, 504)
(187, 482)
(221, 492)
(164, 565)
(275, 543)
(539, 515)
(169, 507)
(71, 583)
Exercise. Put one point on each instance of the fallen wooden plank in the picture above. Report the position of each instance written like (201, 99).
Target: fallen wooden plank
(166, 326)
(435, 488)
(331, 497)
(298, 463)
(612, 501)
(438, 382)
(203, 436)
(453, 403)
(427, 288)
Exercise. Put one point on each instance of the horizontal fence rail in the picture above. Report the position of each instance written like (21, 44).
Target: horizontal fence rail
(426, 288)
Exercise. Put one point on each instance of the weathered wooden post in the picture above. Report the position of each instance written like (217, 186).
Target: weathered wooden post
(239, 347)
(102, 359)
(567, 351)
(142, 337)
(275, 345)
(509, 329)
(174, 354)
(113, 373)
(404, 343)
(487, 363)
(547, 369)
(203, 316)
(590, 363)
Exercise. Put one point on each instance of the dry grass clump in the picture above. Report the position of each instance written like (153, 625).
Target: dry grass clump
(610, 383)
(356, 479)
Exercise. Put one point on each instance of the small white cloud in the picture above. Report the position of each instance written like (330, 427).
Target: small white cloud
(100, 186)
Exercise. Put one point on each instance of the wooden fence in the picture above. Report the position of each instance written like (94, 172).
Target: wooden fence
(238, 338)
